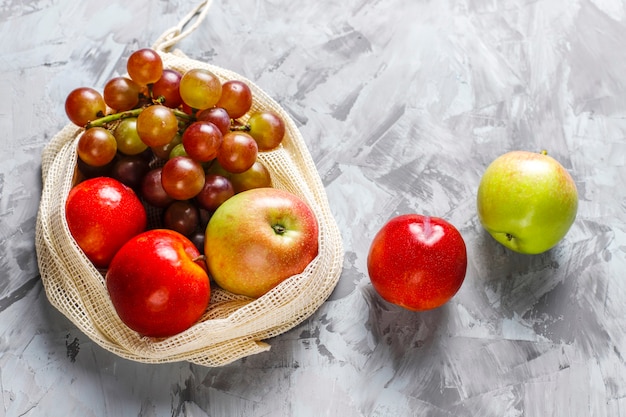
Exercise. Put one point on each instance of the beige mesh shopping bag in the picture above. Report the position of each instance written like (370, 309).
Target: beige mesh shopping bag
(233, 327)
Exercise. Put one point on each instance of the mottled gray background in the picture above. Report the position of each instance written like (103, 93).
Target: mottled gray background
(402, 105)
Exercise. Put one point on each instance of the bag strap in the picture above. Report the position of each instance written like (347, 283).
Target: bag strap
(184, 28)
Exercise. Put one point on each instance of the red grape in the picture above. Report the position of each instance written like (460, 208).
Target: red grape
(236, 98)
(202, 141)
(197, 238)
(121, 93)
(200, 88)
(83, 105)
(216, 190)
(216, 115)
(89, 171)
(214, 136)
(205, 216)
(130, 170)
(96, 146)
(238, 152)
(182, 178)
(186, 109)
(267, 128)
(152, 189)
(168, 87)
(182, 217)
(147, 154)
(144, 66)
(157, 125)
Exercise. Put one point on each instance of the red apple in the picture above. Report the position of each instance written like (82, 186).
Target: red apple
(102, 214)
(158, 283)
(258, 238)
(417, 262)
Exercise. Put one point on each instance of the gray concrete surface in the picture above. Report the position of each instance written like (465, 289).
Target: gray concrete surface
(402, 105)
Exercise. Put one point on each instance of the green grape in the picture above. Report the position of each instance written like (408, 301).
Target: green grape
(163, 152)
(128, 140)
(178, 150)
(257, 176)
(200, 88)
(96, 147)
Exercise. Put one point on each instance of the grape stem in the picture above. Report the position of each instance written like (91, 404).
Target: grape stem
(106, 120)
(240, 128)
(103, 121)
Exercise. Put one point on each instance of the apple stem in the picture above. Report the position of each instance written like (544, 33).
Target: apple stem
(544, 152)
(199, 258)
(279, 229)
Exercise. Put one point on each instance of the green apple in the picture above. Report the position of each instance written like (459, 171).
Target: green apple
(527, 201)
(258, 238)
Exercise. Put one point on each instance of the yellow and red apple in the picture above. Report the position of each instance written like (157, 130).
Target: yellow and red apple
(258, 238)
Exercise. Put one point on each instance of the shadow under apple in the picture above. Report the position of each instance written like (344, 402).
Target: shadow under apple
(409, 346)
(515, 281)
(396, 330)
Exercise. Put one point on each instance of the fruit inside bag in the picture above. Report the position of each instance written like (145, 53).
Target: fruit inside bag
(233, 326)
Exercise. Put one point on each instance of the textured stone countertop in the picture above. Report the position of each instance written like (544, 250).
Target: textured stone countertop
(402, 105)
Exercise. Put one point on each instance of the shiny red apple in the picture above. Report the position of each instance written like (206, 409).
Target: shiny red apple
(417, 262)
(102, 214)
(158, 283)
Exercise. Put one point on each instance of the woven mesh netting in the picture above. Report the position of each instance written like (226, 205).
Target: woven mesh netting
(233, 327)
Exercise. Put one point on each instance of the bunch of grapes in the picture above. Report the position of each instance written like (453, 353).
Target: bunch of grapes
(176, 138)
